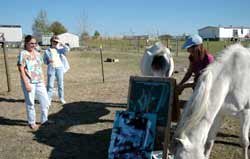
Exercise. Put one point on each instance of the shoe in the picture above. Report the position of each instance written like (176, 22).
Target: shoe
(63, 101)
(48, 122)
(33, 126)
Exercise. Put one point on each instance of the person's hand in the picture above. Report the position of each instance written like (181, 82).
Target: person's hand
(28, 87)
(60, 44)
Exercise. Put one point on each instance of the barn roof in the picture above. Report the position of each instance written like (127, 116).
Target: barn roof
(227, 27)
(10, 26)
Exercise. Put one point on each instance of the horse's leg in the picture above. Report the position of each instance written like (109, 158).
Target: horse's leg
(245, 124)
(212, 135)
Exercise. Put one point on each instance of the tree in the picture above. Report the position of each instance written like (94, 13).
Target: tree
(57, 28)
(96, 34)
(40, 24)
(83, 26)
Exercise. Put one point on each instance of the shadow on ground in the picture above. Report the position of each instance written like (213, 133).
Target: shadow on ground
(11, 100)
(12, 122)
(223, 135)
(72, 145)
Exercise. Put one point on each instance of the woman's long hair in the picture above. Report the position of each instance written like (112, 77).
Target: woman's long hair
(200, 51)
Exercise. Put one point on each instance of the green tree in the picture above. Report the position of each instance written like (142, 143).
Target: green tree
(57, 28)
(40, 24)
(96, 34)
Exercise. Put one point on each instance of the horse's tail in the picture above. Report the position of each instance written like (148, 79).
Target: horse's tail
(197, 105)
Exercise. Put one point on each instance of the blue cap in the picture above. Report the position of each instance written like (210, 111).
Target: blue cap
(191, 41)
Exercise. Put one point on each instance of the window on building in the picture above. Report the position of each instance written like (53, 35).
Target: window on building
(235, 33)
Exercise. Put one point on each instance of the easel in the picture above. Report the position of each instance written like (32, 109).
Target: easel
(2, 43)
(167, 99)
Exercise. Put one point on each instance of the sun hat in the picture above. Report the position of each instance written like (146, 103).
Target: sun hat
(191, 41)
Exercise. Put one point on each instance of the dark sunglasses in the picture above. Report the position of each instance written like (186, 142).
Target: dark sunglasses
(55, 42)
(32, 43)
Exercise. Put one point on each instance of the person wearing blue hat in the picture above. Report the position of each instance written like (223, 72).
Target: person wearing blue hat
(199, 59)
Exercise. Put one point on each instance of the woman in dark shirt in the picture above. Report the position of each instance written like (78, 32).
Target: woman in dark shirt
(199, 58)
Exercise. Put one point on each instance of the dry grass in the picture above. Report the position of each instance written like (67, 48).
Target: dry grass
(82, 126)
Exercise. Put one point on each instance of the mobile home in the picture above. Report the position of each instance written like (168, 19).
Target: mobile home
(12, 33)
(220, 32)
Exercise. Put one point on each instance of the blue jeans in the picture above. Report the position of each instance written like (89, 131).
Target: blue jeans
(58, 74)
(39, 90)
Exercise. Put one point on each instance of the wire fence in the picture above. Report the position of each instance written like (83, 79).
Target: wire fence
(139, 45)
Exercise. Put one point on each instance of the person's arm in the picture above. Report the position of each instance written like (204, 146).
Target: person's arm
(63, 50)
(187, 75)
(21, 64)
(47, 57)
(24, 77)
(182, 85)
(42, 61)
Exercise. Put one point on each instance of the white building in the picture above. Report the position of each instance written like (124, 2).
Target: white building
(71, 39)
(12, 33)
(44, 39)
(220, 32)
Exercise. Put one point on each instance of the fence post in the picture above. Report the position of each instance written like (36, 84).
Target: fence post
(109, 42)
(177, 47)
(138, 45)
(2, 41)
(102, 63)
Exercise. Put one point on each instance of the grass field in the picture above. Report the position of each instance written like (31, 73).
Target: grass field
(82, 126)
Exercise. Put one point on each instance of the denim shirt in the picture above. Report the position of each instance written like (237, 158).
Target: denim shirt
(48, 56)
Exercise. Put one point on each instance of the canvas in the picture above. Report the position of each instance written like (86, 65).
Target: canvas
(133, 135)
(151, 94)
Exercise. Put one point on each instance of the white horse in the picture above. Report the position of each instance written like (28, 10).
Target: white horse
(157, 61)
(223, 88)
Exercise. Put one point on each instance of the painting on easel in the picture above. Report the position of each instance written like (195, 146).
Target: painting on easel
(151, 94)
(133, 135)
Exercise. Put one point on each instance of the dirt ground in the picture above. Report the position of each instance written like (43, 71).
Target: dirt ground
(83, 126)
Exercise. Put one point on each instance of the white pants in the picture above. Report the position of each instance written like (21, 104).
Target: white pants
(41, 92)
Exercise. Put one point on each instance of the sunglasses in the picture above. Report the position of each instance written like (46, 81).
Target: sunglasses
(32, 43)
(55, 42)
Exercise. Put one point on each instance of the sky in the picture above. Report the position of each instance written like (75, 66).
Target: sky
(128, 17)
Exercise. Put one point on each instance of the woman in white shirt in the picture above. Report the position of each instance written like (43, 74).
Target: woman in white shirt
(53, 58)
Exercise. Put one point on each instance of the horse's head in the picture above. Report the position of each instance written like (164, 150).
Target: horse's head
(184, 149)
(157, 61)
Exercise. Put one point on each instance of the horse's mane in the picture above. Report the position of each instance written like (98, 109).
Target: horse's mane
(198, 103)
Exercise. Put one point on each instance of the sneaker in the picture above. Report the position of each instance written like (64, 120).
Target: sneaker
(63, 101)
